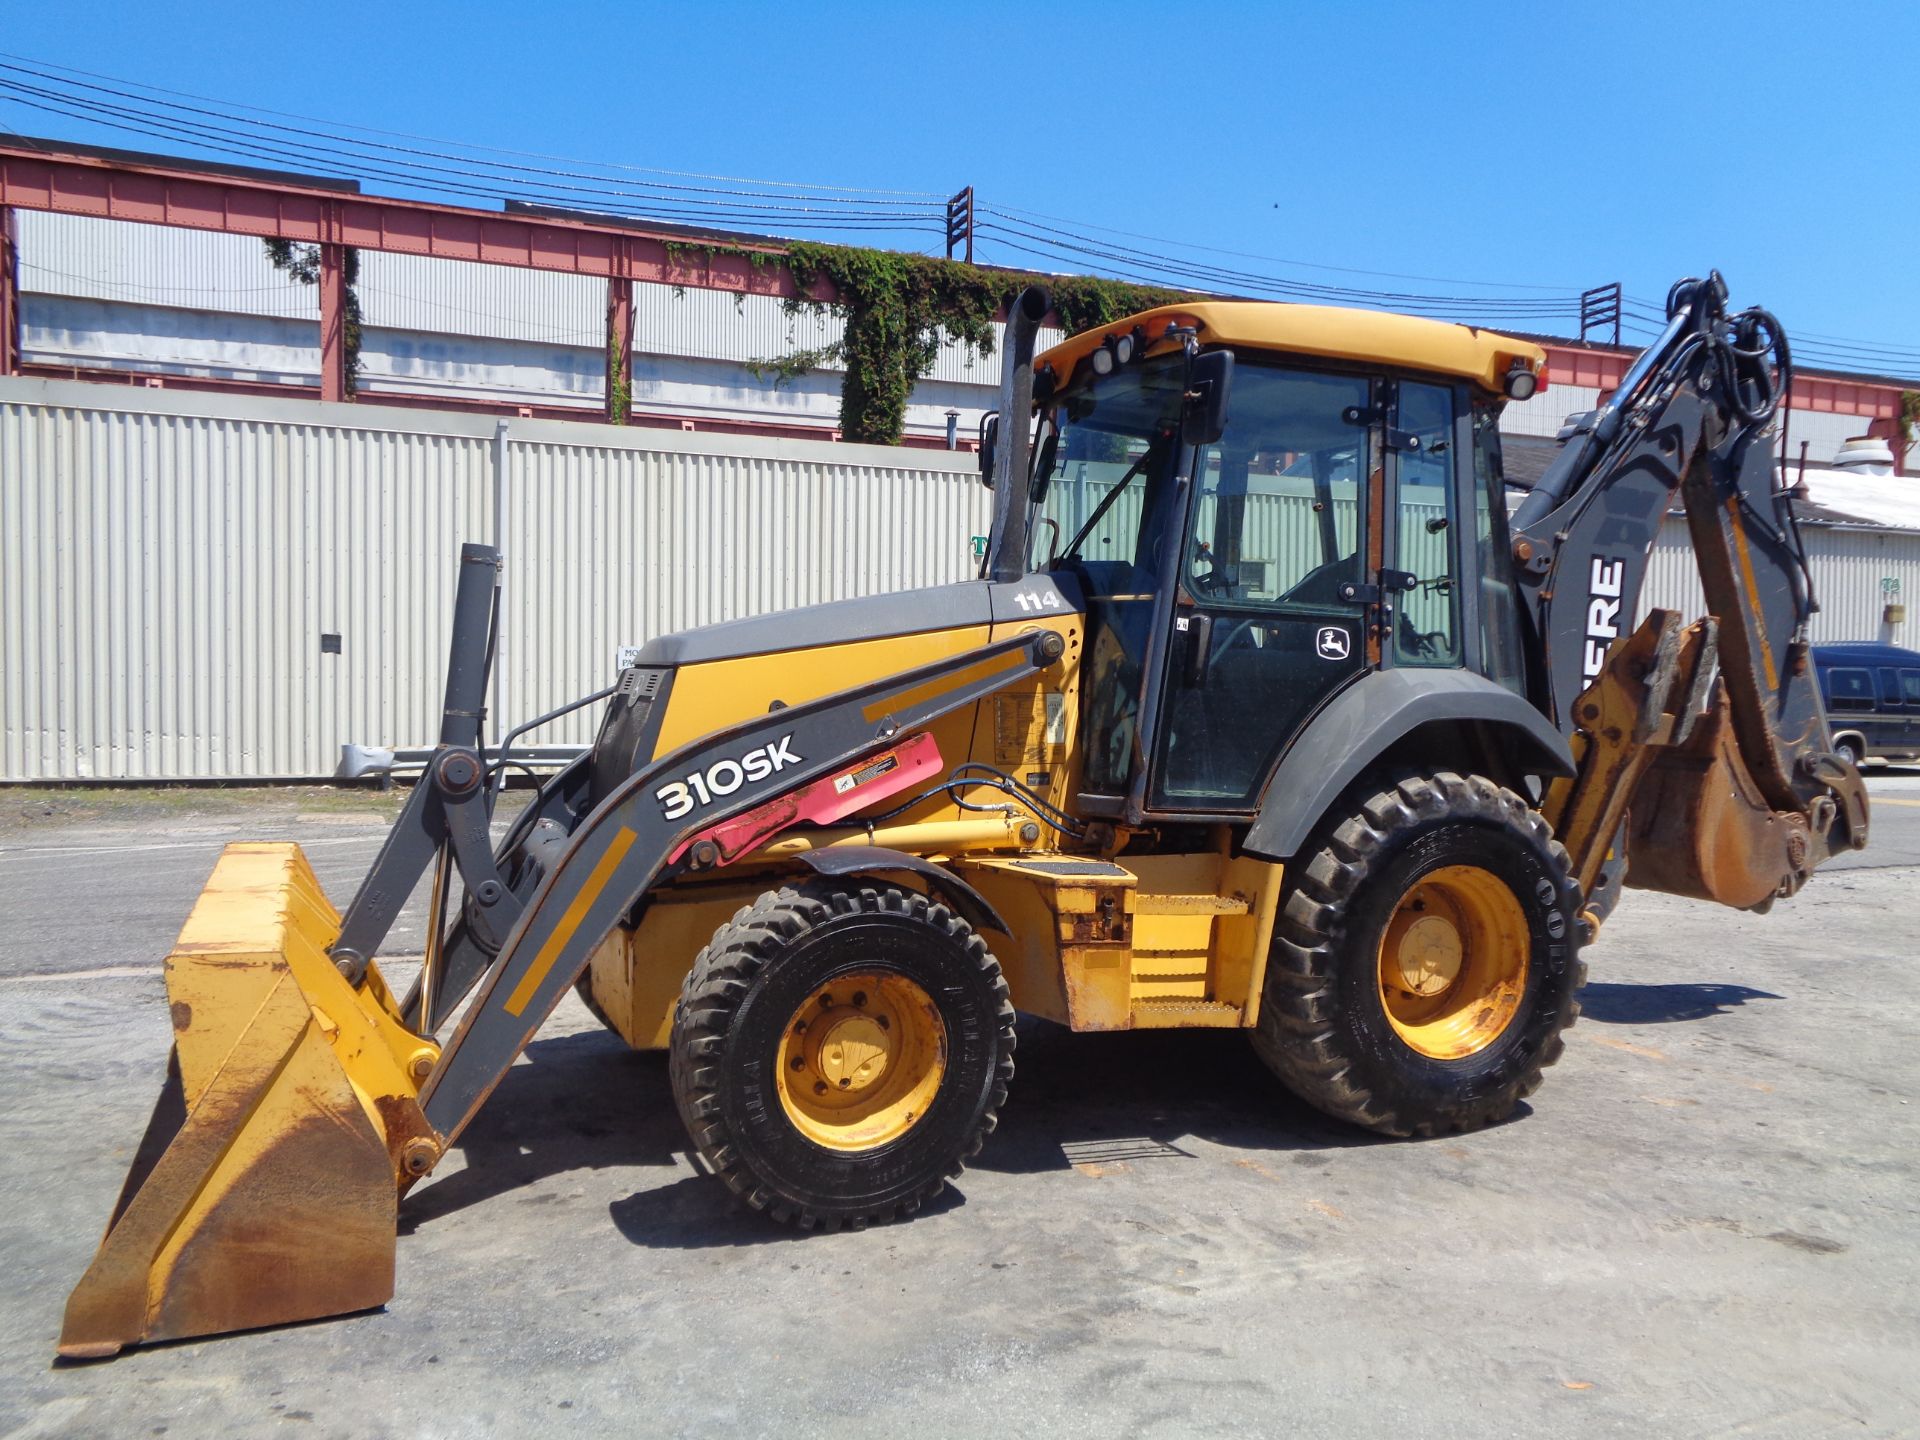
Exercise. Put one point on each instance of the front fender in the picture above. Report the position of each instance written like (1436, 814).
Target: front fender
(973, 907)
(1385, 709)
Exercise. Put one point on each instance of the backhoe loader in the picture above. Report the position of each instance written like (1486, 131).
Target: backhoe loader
(1262, 715)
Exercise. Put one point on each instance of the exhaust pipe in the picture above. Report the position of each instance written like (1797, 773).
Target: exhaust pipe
(1012, 514)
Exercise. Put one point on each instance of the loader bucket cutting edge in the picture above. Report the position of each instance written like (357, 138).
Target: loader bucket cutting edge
(267, 1186)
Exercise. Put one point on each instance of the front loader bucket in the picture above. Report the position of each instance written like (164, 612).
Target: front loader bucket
(266, 1188)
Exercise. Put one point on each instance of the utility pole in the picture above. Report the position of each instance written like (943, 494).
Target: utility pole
(960, 224)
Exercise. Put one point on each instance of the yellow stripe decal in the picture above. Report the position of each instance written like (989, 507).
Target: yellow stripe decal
(1889, 800)
(934, 689)
(570, 922)
(1753, 593)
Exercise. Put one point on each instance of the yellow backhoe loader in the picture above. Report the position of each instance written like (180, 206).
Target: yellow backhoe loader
(1262, 716)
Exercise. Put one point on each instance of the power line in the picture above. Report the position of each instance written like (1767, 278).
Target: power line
(457, 144)
(423, 175)
(1009, 212)
(456, 168)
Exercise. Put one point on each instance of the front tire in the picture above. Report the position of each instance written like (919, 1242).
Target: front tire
(1425, 959)
(839, 1054)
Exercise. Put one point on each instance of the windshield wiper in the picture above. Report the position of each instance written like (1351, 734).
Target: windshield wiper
(1106, 504)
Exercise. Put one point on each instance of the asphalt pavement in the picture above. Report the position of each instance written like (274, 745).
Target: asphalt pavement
(1703, 1224)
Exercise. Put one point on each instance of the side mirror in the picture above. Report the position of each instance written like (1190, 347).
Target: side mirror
(1209, 385)
(989, 442)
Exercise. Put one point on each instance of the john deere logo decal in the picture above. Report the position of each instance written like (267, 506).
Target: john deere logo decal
(1332, 643)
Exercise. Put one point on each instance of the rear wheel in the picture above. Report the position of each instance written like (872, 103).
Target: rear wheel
(1425, 960)
(839, 1054)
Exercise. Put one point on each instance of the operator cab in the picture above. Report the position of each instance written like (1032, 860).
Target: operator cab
(1325, 516)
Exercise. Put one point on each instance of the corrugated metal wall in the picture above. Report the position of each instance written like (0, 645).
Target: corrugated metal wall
(1849, 568)
(172, 560)
(169, 562)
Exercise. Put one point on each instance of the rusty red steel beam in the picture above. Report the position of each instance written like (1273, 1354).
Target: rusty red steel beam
(74, 184)
(619, 368)
(9, 296)
(1604, 368)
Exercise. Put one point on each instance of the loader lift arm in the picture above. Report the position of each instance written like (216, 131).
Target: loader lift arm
(1704, 756)
(302, 1106)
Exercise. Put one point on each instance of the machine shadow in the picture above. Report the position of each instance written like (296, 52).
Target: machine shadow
(582, 1102)
(1076, 1100)
(585, 1101)
(1612, 1004)
(1086, 1099)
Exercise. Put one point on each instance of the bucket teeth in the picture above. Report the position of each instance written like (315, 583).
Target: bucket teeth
(266, 1188)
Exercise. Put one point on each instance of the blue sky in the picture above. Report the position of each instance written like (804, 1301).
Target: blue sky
(1516, 145)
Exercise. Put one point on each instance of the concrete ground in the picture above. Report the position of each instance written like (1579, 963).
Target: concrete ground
(1705, 1223)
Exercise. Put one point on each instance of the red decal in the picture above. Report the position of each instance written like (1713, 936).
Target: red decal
(835, 797)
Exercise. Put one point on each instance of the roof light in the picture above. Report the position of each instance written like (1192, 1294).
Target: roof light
(1102, 361)
(1123, 349)
(1521, 381)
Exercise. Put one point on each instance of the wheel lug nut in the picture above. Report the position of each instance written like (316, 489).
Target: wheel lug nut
(859, 997)
(819, 1087)
(826, 1001)
(883, 1022)
(845, 1083)
(799, 1063)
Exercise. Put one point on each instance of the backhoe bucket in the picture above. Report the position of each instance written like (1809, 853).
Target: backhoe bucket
(266, 1188)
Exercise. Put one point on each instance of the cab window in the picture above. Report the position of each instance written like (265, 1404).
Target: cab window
(1276, 519)
(1428, 630)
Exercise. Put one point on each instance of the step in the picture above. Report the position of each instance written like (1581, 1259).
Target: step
(1179, 1013)
(1150, 904)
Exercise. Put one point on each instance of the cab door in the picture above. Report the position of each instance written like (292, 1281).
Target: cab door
(1274, 595)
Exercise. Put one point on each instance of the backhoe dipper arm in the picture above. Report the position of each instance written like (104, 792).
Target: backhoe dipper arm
(649, 828)
(1668, 726)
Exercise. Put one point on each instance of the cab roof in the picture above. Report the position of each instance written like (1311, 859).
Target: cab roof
(1366, 337)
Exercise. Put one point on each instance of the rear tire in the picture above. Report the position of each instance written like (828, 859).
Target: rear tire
(1425, 959)
(839, 1054)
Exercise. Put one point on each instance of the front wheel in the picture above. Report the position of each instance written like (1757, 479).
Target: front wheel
(839, 1053)
(1425, 959)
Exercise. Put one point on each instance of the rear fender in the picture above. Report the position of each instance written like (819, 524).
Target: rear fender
(1436, 717)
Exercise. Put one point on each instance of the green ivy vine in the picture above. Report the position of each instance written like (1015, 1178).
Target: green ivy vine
(898, 309)
(1909, 413)
(619, 383)
(302, 262)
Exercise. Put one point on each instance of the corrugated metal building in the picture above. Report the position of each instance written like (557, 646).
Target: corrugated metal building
(171, 563)
(148, 298)
(182, 302)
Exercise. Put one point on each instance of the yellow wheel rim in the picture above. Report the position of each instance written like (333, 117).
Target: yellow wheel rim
(1453, 962)
(862, 1060)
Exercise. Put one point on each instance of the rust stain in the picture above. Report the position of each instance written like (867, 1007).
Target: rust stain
(1325, 1209)
(1576, 1384)
(1760, 1085)
(1100, 1172)
(1256, 1167)
(1644, 1052)
(401, 1120)
(182, 1014)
